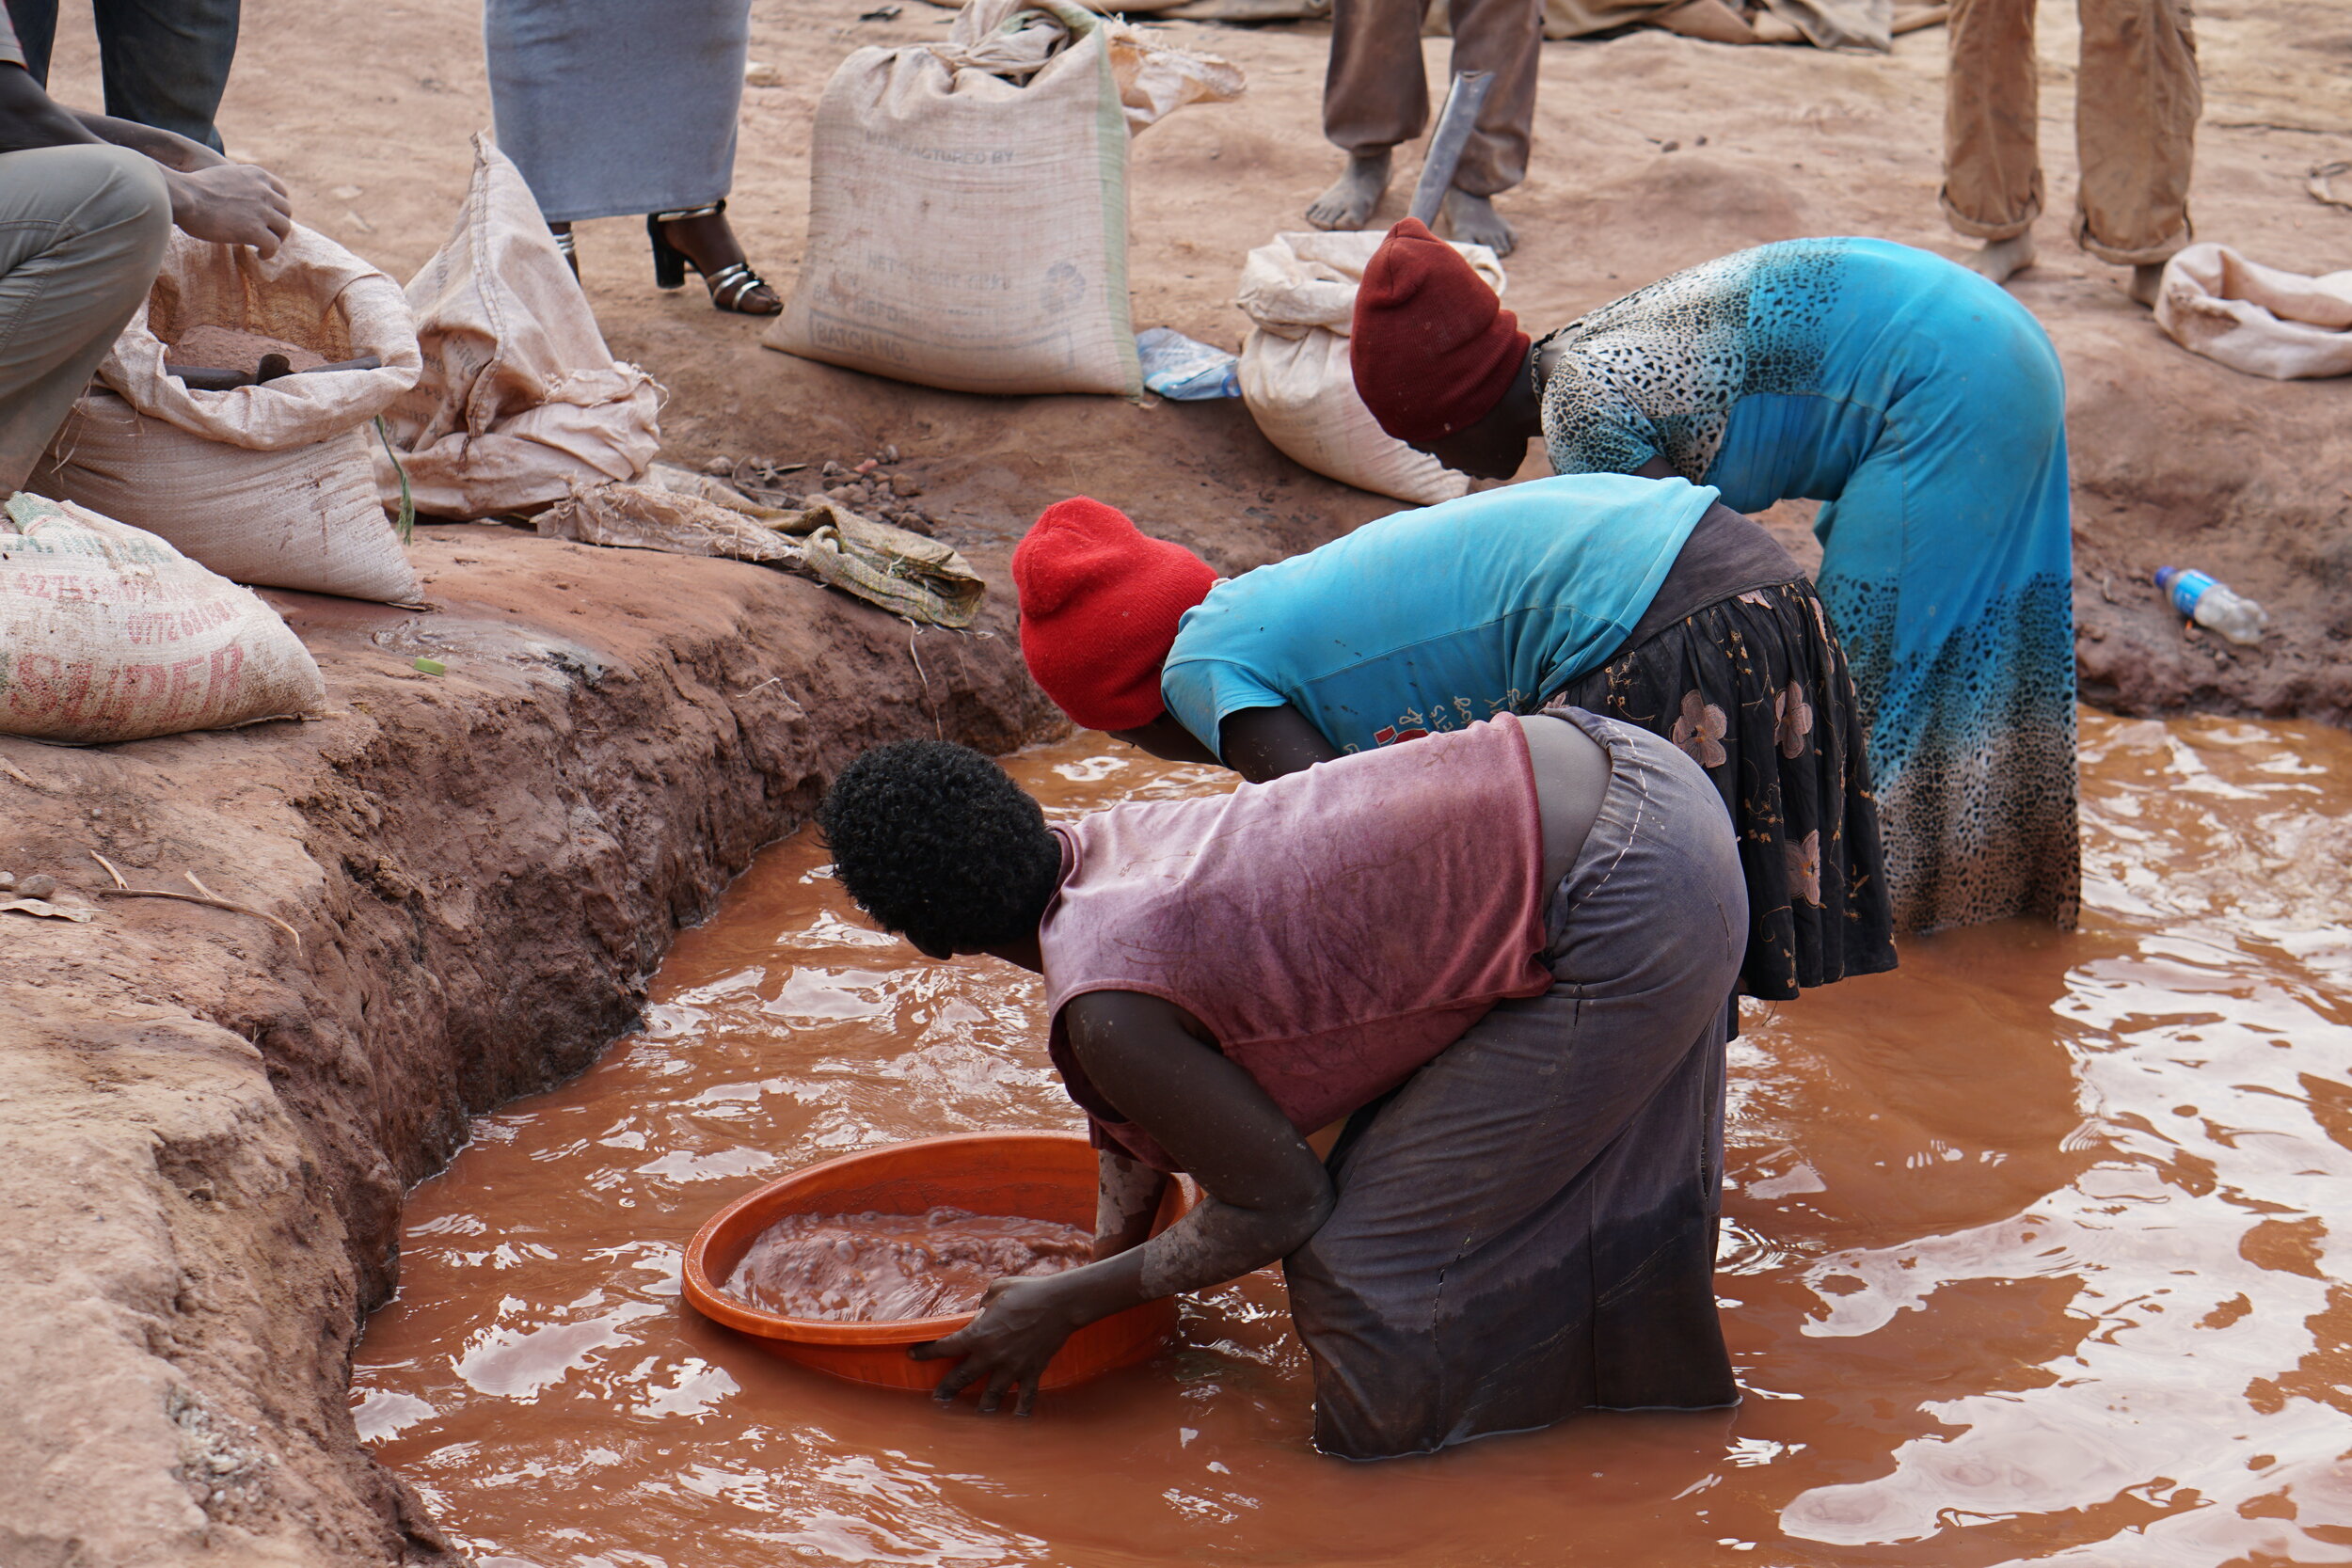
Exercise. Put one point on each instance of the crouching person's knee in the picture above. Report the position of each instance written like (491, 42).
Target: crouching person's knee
(125, 217)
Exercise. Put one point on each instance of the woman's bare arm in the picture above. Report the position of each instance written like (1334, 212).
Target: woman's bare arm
(1262, 743)
(1126, 1199)
(1265, 1193)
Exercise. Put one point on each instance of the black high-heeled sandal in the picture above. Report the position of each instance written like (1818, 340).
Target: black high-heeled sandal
(728, 286)
(567, 247)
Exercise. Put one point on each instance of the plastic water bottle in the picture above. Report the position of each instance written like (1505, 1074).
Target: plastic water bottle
(2211, 604)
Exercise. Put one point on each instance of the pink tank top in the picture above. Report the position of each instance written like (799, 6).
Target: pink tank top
(1333, 930)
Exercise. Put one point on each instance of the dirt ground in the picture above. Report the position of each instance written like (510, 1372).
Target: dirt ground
(212, 1119)
(1652, 152)
(484, 867)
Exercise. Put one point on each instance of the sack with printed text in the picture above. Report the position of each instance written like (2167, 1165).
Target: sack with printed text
(272, 483)
(108, 633)
(968, 201)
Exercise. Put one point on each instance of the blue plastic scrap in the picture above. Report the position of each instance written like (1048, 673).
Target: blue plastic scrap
(1177, 367)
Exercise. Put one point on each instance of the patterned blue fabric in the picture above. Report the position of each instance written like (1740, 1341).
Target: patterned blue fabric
(1926, 407)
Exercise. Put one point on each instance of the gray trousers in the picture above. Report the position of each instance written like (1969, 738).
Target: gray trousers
(81, 232)
(164, 62)
(1527, 1228)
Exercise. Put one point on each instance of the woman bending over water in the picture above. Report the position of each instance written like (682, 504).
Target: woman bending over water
(1441, 1027)
(1919, 401)
(1645, 600)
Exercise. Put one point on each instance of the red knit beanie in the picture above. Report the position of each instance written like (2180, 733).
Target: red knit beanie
(1433, 349)
(1099, 607)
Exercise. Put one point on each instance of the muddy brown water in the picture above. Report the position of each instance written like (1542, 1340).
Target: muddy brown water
(2028, 1255)
(891, 1268)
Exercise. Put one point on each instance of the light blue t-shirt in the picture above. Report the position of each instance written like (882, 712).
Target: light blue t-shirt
(1435, 619)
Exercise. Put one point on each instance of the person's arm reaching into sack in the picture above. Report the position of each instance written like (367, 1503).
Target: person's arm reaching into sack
(1265, 1193)
(212, 198)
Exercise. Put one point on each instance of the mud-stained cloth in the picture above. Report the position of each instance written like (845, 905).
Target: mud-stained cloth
(1925, 406)
(1526, 1227)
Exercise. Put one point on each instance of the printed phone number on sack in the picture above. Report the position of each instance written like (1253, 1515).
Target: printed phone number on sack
(71, 588)
(877, 342)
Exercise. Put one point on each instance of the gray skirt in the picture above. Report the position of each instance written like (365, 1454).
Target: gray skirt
(1526, 1229)
(612, 107)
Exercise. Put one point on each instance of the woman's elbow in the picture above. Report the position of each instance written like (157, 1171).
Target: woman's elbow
(1305, 1217)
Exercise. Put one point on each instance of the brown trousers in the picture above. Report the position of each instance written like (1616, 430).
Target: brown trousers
(1375, 93)
(2136, 102)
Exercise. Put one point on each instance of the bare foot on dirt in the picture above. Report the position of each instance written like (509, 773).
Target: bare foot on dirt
(2000, 260)
(2147, 282)
(1473, 220)
(1349, 202)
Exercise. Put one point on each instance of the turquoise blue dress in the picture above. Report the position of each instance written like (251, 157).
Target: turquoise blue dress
(1926, 409)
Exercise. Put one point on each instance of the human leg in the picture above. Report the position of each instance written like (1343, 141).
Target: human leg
(1991, 163)
(82, 231)
(1374, 95)
(165, 62)
(1526, 1229)
(36, 23)
(2135, 107)
(699, 237)
(1504, 38)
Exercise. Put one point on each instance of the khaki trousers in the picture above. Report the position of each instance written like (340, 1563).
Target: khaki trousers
(1375, 92)
(2136, 102)
(82, 233)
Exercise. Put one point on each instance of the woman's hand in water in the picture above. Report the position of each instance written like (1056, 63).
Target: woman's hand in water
(1022, 1323)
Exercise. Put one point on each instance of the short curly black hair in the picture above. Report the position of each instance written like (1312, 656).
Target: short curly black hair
(932, 840)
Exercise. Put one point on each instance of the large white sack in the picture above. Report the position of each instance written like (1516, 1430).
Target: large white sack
(1299, 292)
(304, 517)
(968, 202)
(1301, 393)
(519, 399)
(108, 633)
(269, 484)
(2260, 319)
(313, 293)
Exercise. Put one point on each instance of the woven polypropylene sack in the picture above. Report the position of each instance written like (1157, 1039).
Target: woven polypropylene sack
(2264, 321)
(1300, 292)
(967, 222)
(108, 633)
(268, 483)
(520, 399)
(304, 517)
(313, 293)
(1304, 398)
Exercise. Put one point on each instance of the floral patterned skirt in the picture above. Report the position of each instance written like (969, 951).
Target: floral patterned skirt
(1755, 690)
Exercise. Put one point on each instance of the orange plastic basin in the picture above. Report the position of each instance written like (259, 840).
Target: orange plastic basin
(1043, 1175)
